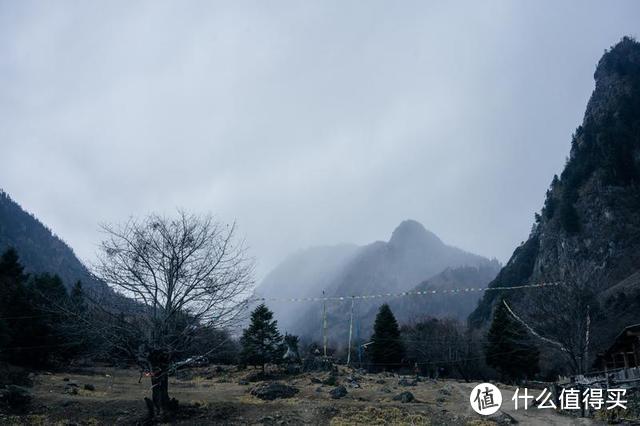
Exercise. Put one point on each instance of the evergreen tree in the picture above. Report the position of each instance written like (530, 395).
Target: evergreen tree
(49, 299)
(261, 342)
(18, 317)
(10, 265)
(387, 349)
(12, 281)
(77, 300)
(49, 292)
(509, 348)
(31, 324)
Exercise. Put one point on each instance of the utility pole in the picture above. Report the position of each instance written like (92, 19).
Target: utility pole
(359, 342)
(324, 323)
(585, 359)
(350, 331)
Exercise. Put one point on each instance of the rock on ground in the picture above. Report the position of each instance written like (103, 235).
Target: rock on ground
(273, 390)
(406, 382)
(502, 418)
(404, 397)
(338, 392)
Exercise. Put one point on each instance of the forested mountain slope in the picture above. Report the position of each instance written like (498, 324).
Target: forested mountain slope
(40, 250)
(587, 235)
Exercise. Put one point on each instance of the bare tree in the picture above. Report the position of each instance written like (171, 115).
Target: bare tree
(444, 345)
(562, 316)
(183, 273)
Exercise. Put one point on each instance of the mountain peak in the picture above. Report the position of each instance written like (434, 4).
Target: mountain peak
(411, 232)
(621, 60)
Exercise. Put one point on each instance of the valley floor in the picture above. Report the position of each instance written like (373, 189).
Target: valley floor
(220, 396)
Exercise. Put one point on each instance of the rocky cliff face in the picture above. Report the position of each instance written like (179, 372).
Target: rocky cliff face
(588, 231)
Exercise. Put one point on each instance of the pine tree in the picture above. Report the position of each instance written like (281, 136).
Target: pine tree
(49, 292)
(32, 326)
(10, 265)
(15, 308)
(76, 299)
(261, 342)
(48, 298)
(12, 285)
(387, 349)
(509, 348)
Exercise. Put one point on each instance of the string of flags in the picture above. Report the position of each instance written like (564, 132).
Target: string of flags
(403, 294)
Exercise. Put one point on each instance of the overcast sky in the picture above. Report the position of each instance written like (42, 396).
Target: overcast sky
(308, 122)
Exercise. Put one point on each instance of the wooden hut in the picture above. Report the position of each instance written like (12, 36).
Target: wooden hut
(624, 352)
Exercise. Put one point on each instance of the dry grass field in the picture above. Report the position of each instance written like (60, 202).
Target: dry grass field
(221, 395)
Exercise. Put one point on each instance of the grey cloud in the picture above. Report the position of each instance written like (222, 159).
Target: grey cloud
(309, 122)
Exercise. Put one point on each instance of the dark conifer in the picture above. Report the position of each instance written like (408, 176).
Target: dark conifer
(261, 342)
(387, 349)
(509, 348)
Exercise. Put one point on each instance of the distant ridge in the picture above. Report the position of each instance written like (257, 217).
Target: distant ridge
(412, 255)
(39, 249)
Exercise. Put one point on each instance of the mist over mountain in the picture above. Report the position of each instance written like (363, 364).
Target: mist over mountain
(411, 256)
(588, 232)
(303, 274)
(445, 305)
(40, 250)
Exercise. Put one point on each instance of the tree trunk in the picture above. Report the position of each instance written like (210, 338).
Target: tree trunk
(160, 390)
(159, 361)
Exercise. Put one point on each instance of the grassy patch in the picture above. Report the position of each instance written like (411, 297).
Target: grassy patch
(378, 416)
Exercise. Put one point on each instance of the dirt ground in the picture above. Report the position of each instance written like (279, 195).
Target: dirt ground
(221, 396)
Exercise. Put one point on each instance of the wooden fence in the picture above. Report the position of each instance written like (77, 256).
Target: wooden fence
(622, 377)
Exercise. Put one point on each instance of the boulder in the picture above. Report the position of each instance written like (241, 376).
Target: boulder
(258, 376)
(273, 390)
(338, 392)
(502, 419)
(406, 382)
(404, 397)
